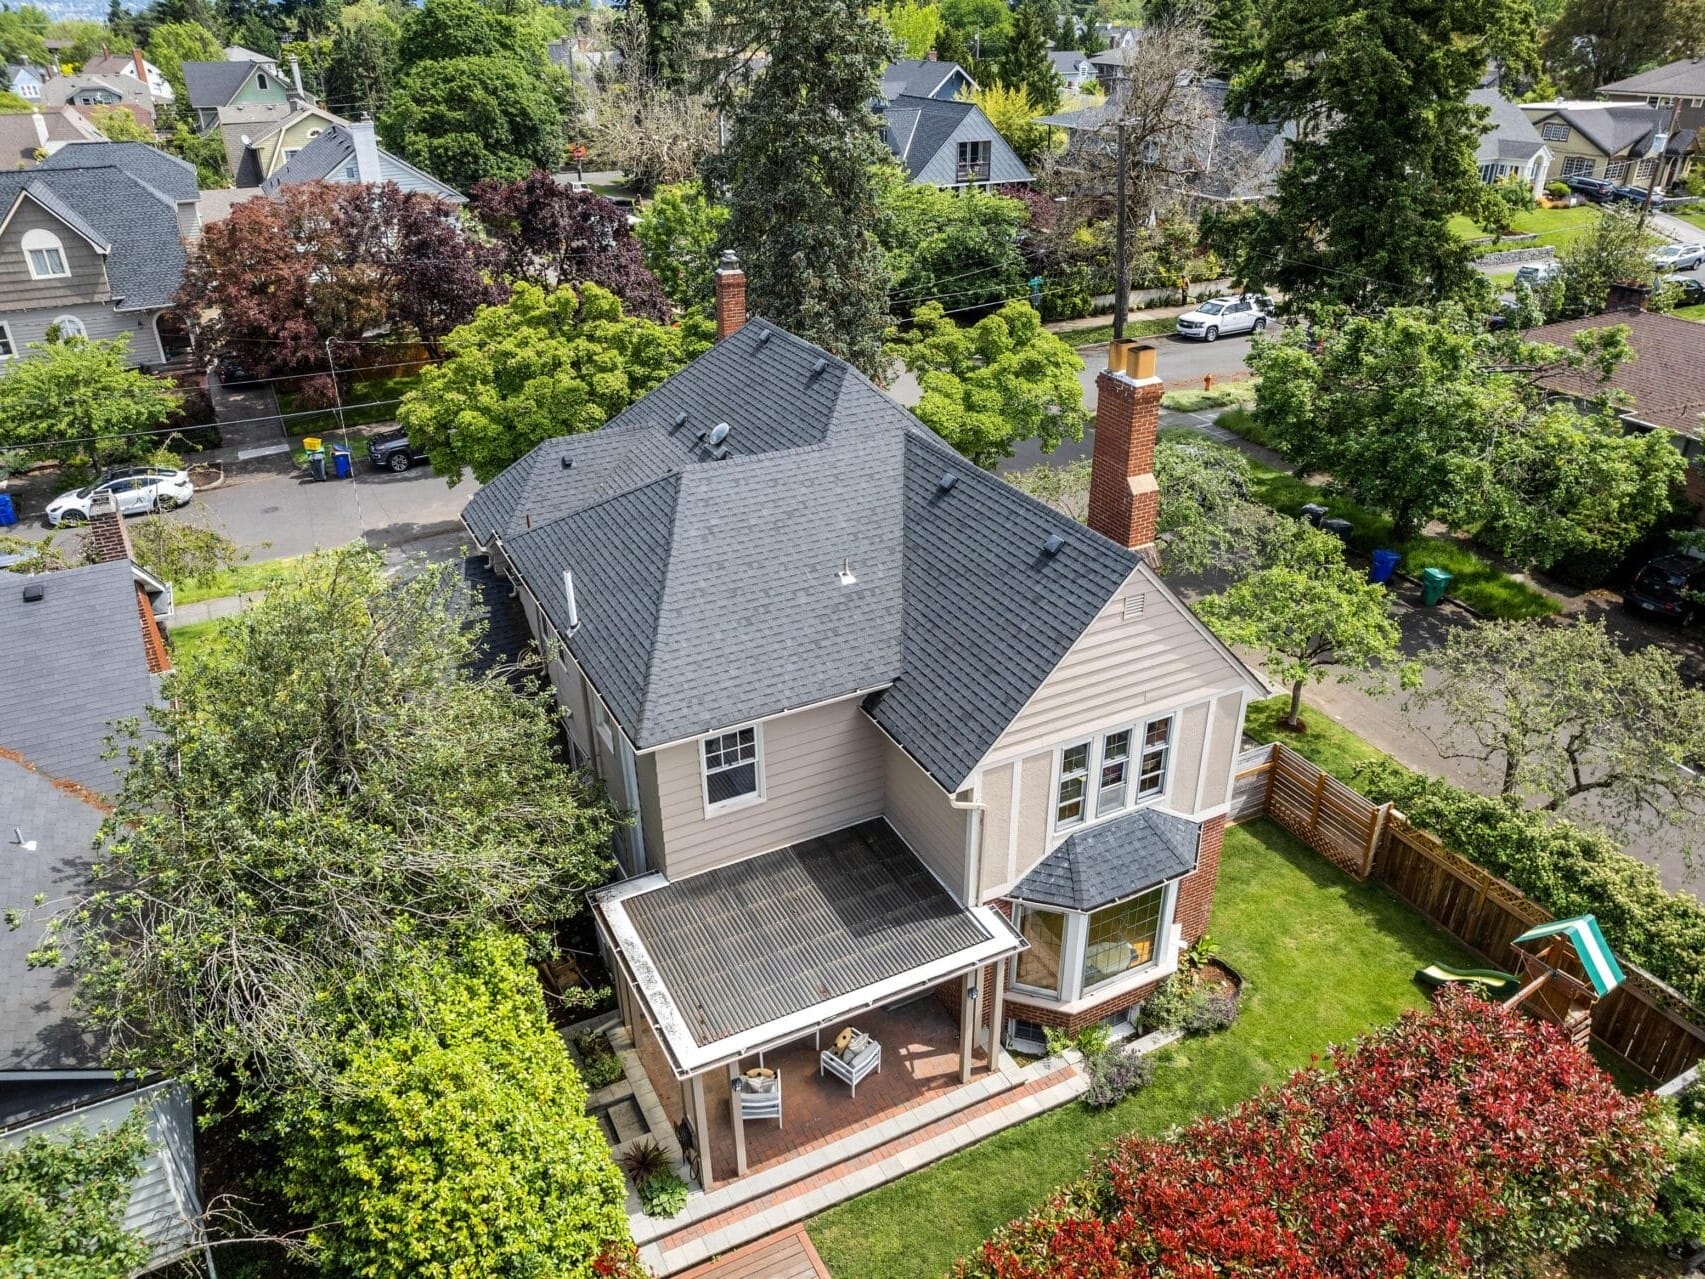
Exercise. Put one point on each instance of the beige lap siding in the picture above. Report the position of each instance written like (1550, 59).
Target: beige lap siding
(925, 817)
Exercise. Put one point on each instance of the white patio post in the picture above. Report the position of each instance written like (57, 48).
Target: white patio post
(997, 1014)
(701, 1130)
(738, 1119)
(967, 1023)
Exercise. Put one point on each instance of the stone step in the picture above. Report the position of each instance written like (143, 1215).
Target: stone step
(628, 1123)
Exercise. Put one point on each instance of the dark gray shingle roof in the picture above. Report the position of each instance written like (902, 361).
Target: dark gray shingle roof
(1614, 128)
(171, 177)
(1112, 860)
(325, 158)
(761, 939)
(922, 132)
(214, 84)
(708, 591)
(919, 77)
(1685, 78)
(146, 264)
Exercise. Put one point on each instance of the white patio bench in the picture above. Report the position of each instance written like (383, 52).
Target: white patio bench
(865, 1059)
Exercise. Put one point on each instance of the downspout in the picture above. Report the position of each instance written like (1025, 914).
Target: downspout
(973, 835)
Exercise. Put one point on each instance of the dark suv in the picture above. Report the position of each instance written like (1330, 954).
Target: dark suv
(1637, 195)
(1670, 586)
(1595, 189)
(394, 451)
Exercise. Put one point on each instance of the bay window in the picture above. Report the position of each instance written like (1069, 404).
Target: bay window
(1039, 968)
(1122, 937)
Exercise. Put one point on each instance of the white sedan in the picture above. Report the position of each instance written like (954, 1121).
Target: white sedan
(135, 490)
(1222, 317)
(1678, 257)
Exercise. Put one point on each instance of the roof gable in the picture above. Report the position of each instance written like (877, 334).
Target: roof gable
(145, 261)
(165, 174)
(1666, 377)
(1112, 861)
(1684, 78)
(215, 84)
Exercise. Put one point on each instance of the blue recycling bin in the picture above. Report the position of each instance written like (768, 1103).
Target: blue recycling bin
(340, 462)
(8, 512)
(1383, 566)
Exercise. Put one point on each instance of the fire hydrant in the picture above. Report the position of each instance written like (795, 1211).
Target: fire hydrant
(1207, 381)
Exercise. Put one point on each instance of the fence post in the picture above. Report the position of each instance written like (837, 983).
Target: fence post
(1314, 812)
(1267, 779)
(1374, 837)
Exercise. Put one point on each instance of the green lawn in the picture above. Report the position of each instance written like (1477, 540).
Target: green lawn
(372, 401)
(1322, 740)
(185, 641)
(1103, 333)
(1694, 214)
(1696, 313)
(1323, 959)
(240, 579)
(1231, 396)
(1554, 227)
(1479, 584)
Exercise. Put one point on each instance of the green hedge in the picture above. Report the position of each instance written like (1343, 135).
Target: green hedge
(1567, 870)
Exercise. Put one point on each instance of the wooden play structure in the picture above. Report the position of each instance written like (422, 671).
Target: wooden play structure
(1572, 946)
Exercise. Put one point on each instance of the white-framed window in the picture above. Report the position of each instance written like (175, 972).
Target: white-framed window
(1647, 168)
(1042, 966)
(29, 90)
(601, 722)
(1616, 171)
(731, 771)
(1577, 166)
(45, 255)
(1107, 774)
(1069, 806)
(1113, 778)
(290, 153)
(1073, 954)
(69, 326)
(1552, 131)
(1156, 758)
(7, 347)
(1122, 937)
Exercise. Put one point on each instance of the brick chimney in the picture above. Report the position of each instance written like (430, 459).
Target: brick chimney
(730, 296)
(1627, 297)
(1123, 497)
(141, 66)
(108, 538)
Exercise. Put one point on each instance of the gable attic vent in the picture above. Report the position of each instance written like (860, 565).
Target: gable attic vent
(946, 482)
(719, 433)
(1052, 546)
(573, 607)
(1134, 604)
(34, 592)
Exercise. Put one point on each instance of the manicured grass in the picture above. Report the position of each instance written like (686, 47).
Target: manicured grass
(1695, 313)
(372, 401)
(1224, 396)
(1101, 334)
(1242, 422)
(240, 579)
(197, 637)
(1323, 740)
(1478, 584)
(1694, 214)
(1554, 227)
(1323, 959)
(1502, 279)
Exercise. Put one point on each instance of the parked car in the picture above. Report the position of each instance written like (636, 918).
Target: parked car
(1595, 189)
(135, 490)
(394, 451)
(1691, 289)
(231, 373)
(1534, 274)
(1668, 587)
(1222, 317)
(1678, 257)
(1637, 195)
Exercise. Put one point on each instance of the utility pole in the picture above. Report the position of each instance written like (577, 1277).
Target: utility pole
(1657, 163)
(1121, 254)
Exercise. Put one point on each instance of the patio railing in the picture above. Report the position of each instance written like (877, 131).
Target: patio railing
(1644, 1021)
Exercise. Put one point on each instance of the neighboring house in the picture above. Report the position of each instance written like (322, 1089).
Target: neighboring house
(926, 78)
(213, 86)
(1620, 142)
(1662, 87)
(1121, 51)
(1075, 70)
(889, 728)
(577, 56)
(236, 53)
(26, 81)
(135, 68)
(262, 137)
(348, 152)
(89, 93)
(949, 144)
(90, 247)
(84, 643)
(1511, 145)
(25, 138)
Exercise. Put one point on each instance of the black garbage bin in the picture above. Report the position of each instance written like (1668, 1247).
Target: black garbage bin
(1314, 513)
(317, 463)
(1340, 529)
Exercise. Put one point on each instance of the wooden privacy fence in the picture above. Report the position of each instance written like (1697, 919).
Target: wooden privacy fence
(1644, 1021)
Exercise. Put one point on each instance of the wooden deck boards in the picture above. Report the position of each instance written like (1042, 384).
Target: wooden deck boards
(788, 1255)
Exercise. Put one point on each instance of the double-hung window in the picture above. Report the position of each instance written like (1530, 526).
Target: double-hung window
(1113, 782)
(45, 254)
(1074, 784)
(1097, 774)
(731, 766)
(7, 347)
(1157, 752)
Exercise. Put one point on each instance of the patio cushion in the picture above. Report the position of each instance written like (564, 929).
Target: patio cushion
(843, 1039)
(858, 1044)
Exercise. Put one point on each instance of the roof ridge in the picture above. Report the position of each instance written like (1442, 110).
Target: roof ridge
(76, 790)
(601, 502)
(647, 684)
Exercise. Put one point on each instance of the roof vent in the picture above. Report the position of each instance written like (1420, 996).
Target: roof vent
(33, 592)
(573, 607)
(846, 574)
(721, 453)
(763, 337)
(568, 464)
(818, 367)
(1052, 546)
(680, 420)
(946, 482)
(1134, 604)
(718, 433)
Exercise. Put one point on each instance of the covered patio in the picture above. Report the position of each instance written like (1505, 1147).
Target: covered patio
(762, 963)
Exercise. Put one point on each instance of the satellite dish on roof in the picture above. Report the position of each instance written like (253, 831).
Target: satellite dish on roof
(718, 434)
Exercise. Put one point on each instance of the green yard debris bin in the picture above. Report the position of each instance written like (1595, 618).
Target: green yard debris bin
(1434, 583)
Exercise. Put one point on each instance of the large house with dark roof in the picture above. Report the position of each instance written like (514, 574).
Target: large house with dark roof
(91, 245)
(1674, 87)
(890, 730)
(937, 138)
(1621, 142)
(215, 85)
(347, 152)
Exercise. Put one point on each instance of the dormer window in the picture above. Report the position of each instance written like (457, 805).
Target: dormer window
(260, 81)
(45, 255)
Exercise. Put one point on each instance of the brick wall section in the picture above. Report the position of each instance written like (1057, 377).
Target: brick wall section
(1123, 498)
(1074, 1022)
(1196, 890)
(108, 538)
(153, 642)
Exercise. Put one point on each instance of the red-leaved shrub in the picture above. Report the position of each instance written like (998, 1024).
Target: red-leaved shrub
(1456, 1141)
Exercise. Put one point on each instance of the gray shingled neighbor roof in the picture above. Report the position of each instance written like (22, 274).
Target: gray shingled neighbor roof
(146, 264)
(920, 77)
(1113, 860)
(922, 132)
(214, 84)
(760, 939)
(171, 177)
(1615, 128)
(708, 590)
(1685, 79)
(325, 158)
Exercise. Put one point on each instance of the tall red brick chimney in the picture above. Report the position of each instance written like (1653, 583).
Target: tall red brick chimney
(730, 295)
(1124, 499)
(108, 538)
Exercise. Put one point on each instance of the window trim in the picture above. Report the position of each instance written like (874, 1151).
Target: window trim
(1090, 754)
(1584, 166)
(1074, 946)
(1162, 928)
(1019, 909)
(1097, 746)
(1168, 760)
(8, 345)
(41, 240)
(1553, 131)
(77, 330)
(756, 795)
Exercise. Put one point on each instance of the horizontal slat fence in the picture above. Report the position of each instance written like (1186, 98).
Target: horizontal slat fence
(1645, 1022)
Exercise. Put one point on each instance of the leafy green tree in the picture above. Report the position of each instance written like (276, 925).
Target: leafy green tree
(363, 63)
(77, 398)
(961, 250)
(1064, 487)
(1566, 713)
(1233, 28)
(62, 1202)
(183, 551)
(322, 794)
(1024, 62)
(1304, 617)
(1594, 42)
(468, 119)
(680, 232)
(665, 40)
(913, 24)
(454, 1140)
(981, 26)
(206, 153)
(86, 38)
(171, 44)
(117, 124)
(1611, 251)
(1386, 155)
(1003, 380)
(541, 365)
(798, 172)
(23, 35)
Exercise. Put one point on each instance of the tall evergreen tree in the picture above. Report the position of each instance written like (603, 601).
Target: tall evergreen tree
(1386, 153)
(1024, 63)
(664, 20)
(798, 171)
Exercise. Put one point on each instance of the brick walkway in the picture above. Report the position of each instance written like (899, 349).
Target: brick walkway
(788, 1255)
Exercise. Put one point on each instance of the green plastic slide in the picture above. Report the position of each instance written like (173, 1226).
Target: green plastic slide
(1491, 982)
